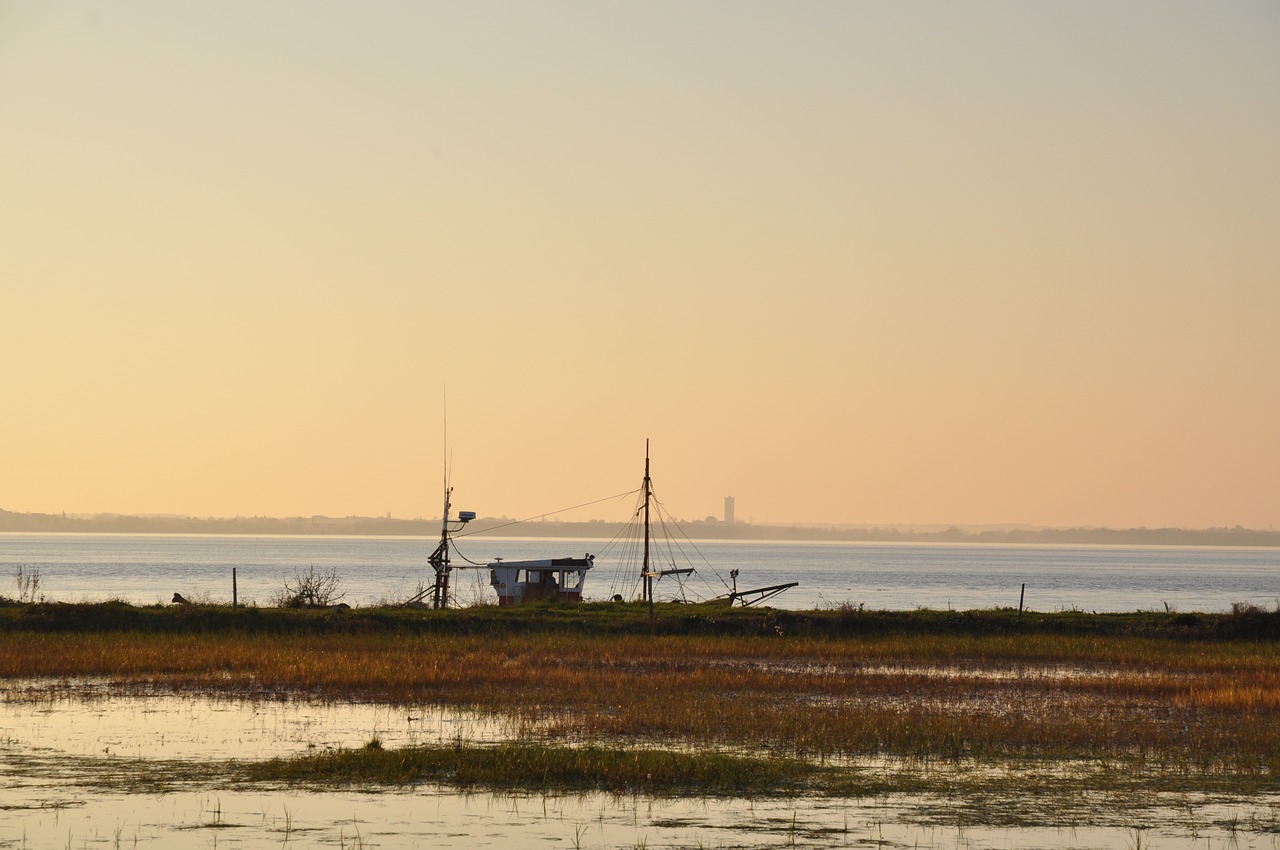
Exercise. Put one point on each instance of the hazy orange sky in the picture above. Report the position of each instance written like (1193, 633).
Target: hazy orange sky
(883, 262)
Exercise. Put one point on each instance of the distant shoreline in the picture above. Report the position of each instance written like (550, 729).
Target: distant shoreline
(703, 530)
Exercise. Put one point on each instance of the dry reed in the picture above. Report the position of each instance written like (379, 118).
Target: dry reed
(1205, 705)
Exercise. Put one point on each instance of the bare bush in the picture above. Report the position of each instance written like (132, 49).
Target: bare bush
(28, 580)
(312, 589)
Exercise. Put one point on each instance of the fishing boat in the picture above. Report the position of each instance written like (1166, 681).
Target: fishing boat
(563, 579)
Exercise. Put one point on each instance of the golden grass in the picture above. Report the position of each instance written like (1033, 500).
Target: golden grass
(1208, 705)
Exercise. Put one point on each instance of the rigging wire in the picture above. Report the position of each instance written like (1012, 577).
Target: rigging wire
(626, 575)
(672, 545)
(666, 549)
(458, 552)
(619, 539)
(535, 516)
(695, 548)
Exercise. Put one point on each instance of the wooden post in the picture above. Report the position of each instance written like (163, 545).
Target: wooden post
(235, 599)
(1021, 596)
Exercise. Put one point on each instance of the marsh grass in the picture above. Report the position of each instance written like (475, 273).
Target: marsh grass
(1026, 793)
(529, 767)
(1154, 690)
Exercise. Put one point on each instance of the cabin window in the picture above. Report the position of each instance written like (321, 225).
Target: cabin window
(571, 579)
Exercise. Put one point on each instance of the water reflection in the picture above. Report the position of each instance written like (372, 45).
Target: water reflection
(427, 817)
(88, 721)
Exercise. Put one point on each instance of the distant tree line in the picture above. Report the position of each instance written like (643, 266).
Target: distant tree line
(121, 524)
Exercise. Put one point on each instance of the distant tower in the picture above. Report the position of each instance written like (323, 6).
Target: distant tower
(728, 509)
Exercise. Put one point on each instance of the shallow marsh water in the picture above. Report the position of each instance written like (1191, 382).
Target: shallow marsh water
(83, 767)
(38, 815)
(86, 719)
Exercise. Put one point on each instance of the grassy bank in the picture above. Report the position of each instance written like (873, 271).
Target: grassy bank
(1243, 623)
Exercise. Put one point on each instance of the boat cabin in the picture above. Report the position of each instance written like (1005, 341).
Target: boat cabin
(529, 581)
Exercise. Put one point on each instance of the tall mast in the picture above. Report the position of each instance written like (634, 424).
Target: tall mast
(644, 569)
(439, 559)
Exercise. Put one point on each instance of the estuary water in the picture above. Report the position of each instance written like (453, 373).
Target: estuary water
(149, 568)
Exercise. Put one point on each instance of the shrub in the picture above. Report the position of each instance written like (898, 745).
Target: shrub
(312, 589)
(28, 584)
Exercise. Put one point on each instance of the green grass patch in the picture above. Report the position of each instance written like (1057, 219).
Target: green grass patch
(611, 619)
(544, 768)
(1012, 792)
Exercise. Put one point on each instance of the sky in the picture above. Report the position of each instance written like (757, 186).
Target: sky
(862, 262)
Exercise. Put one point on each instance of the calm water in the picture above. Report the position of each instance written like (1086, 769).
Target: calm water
(145, 569)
